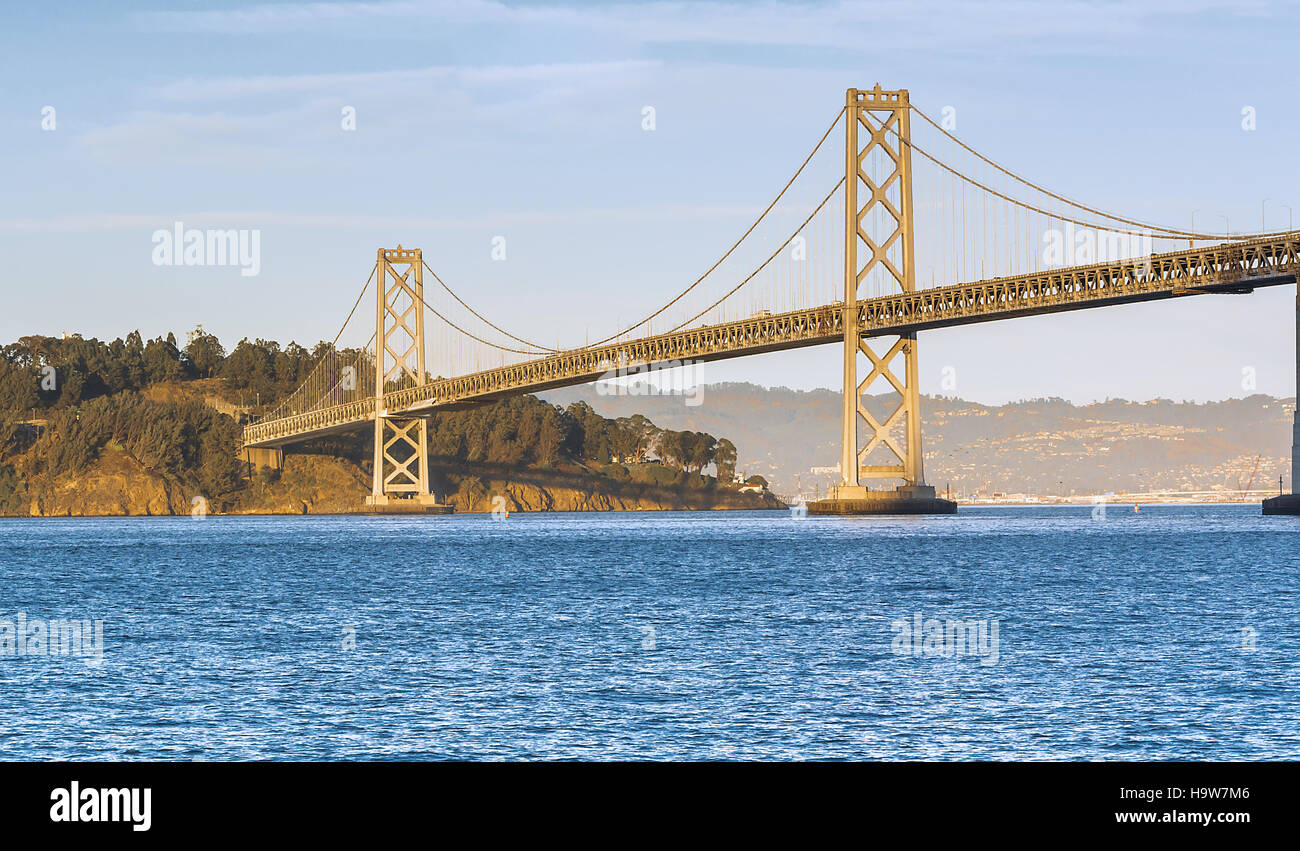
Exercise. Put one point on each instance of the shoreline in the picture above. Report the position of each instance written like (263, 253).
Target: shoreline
(369, 513)
(364, 513)
(1089, 502)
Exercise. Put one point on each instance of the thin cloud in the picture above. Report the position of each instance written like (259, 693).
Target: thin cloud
(895, 24)
(266, 219)
(281, 118)
(224, 88)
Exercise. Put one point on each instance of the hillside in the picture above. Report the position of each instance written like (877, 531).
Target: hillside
(1040, 446)
(132, 427)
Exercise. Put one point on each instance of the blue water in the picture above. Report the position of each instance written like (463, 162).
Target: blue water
(658, 635)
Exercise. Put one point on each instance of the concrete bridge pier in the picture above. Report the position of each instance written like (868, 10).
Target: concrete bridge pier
(259, 458)
(1290, 503)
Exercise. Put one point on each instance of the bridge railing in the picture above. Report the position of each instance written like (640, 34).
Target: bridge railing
(1234, 264)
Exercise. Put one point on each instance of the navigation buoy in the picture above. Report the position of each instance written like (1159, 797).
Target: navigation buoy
(1136, 510)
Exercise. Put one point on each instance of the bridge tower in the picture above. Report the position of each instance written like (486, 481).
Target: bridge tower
(879, 245)
(401, 443)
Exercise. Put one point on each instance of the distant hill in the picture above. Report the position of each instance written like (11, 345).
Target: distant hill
(1039, 446)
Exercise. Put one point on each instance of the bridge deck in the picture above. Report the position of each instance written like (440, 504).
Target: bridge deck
(1228, 268)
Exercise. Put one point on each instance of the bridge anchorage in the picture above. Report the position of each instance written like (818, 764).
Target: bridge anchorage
(845, 277)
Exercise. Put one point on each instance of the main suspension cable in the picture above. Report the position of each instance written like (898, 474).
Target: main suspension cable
(540, 349)
(474, 336)
(360, 296)
(483, 318)
(735, 245)
(732, 291)
(1063, 218)
(763, 265)
(1158, 231)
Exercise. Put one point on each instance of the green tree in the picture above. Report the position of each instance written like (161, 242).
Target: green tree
(17, 390)
(700, 450)
(725, 459)
(635, 435)
(162, 360)
(674, 448)
(204, 352)
(13, 492)
(550, 439)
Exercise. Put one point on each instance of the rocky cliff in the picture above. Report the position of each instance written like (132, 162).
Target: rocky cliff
(115, 486)
(533, 496)
(118, 485)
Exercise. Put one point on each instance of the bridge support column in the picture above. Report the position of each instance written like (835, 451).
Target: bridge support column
(401, 460)
(882, 226)
(1290, 503)
(262, 458)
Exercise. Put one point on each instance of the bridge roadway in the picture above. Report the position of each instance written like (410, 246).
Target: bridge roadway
(1238, 267)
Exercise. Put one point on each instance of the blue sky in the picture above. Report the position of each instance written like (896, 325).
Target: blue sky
(479, 118)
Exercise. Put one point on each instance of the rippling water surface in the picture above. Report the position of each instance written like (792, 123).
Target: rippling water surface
(658, 635)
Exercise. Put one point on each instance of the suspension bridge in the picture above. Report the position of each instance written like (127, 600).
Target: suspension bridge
(904, 228)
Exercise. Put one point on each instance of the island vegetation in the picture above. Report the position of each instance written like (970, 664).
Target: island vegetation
(136, 426)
